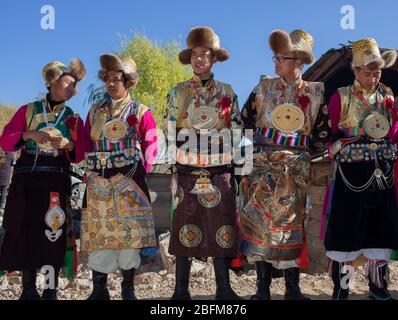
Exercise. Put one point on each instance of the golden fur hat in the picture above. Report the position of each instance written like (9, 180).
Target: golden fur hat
(298, 42)
(54, 70)
(203, 37)
(366, 53)
(121, 63)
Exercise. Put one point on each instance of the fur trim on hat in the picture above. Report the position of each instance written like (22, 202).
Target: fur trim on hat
(203, 37)
(78, 70)
(386, 60)
(55, 70)
(366, 54)
(124, 64)
(52, 75)
(281, 42)
(389, 57)
(185, 55)
(222, 55)
(304, 56)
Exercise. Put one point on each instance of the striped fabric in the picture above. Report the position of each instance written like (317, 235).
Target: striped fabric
(292, 140)
(355, 132)
(105, 145)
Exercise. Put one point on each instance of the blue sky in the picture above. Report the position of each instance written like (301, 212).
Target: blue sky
(87, 28)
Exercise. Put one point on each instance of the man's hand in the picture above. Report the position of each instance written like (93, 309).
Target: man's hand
(37, 136)
(62, 143)
(69, 146)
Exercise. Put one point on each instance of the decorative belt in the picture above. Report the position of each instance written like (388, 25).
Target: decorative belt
(292, 140)
(356, 132)
(112, 159)
(104, 144)
(196, 159)
(19, 170)
(48, 153)
(367, 151)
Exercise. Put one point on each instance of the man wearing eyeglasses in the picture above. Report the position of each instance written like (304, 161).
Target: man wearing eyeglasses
(282, 112)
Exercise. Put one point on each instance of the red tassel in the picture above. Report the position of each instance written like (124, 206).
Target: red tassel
(303, 258)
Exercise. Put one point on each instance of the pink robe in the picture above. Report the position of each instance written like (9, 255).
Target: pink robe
(11, 139)
(146, 135)
(334, 109)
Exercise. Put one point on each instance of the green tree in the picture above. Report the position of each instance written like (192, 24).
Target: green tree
(158, 68)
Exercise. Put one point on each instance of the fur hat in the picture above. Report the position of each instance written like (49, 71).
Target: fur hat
(203, 37)
(54, 70)
(124, 64)
(366, 53)
(298, 42)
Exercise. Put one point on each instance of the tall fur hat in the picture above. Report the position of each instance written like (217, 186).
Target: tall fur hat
(366, 53)
(298, 42)
(203, 37)
(54, 70)
(124, 64)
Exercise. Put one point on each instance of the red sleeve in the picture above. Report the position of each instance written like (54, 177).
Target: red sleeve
(14, 130)
(393, 134)
(334, 110)
(149, 139)
(78, 154)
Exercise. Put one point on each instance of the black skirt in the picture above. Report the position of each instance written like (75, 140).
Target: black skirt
(362, 220)
(205, 226)
(26, 245)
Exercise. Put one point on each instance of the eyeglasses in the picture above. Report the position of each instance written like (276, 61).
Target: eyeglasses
(114, 80)
(282, 59)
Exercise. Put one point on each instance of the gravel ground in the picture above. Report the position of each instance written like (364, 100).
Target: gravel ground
(155, 280)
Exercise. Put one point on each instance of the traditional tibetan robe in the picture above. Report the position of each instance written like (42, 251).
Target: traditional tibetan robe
(284, 118)
(361, 206)
(37, 219)
(204, 188)
(117, 220)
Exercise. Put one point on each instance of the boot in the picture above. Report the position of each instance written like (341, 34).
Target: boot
(29, 291)
(183, 267)
(224, 290)
(377, 276)
(338, 292)
(293, 292)
(264, 278)
(100, 292)
(51, 293)
(128, 285)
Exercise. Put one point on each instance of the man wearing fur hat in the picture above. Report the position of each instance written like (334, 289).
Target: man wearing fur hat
(36, 220)
(363, 220)
(282, 112)
(121, 144)
(204, 219)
